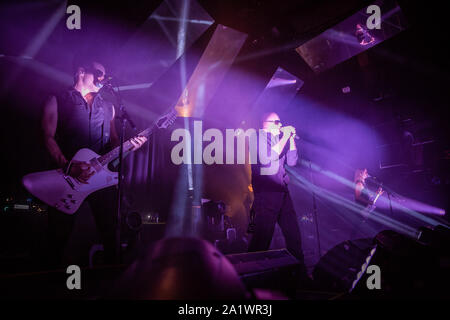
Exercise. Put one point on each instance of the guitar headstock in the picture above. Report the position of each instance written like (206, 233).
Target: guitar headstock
(167, 120)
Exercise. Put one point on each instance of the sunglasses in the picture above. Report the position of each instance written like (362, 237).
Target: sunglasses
(277, 122)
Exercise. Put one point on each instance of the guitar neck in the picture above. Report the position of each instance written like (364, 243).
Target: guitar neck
(163, 122)
(127, 146)
(376, 198)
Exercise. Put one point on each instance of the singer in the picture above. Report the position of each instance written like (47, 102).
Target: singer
(80, 118)
(272, 203)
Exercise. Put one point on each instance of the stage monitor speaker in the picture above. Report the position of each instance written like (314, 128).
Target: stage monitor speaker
(390, 266)
(273, 269)
(408, 269)
(338, 268)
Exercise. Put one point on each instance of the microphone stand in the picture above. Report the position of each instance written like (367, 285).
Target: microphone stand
(124, 119)
(315, 211)
(390, 202)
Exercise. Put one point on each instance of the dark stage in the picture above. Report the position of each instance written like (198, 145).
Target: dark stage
(224, 150)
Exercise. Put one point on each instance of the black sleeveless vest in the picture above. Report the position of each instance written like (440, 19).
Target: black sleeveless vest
(82, 127)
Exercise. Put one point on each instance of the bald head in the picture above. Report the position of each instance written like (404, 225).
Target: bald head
(271, 122)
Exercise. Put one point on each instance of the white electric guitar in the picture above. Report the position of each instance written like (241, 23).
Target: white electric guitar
(66, 193)
(372, 206)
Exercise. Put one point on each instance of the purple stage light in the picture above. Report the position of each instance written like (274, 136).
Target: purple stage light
(163, 38)
(343, 41)
(420, 207)
(214, 63)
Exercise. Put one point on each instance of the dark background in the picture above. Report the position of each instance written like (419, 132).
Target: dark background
(409, 71)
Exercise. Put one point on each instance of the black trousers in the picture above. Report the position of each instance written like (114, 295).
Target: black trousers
(271, 208)
(103, 204)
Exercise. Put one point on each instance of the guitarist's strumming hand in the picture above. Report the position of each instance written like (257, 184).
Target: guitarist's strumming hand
(81, 171)
(137, 142)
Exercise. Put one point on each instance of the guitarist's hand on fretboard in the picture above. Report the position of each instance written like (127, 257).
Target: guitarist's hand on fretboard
(380, 191)
(137, 142)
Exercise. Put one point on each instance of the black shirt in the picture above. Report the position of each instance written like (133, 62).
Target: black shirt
(278, 181)
(80, 126)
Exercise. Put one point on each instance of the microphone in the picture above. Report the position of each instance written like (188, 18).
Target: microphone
(296, 137)
(109, 93)
(374, 180)
(105, 81)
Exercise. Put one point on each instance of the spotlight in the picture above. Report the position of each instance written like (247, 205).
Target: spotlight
(363, 35)
(346, 89)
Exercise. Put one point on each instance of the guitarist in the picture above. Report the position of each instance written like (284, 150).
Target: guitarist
(81, 118)
(365, 198)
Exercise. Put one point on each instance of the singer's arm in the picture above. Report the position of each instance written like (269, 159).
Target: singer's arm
(292, 145)
(292, 154)
(279, 147)
(287, 133)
